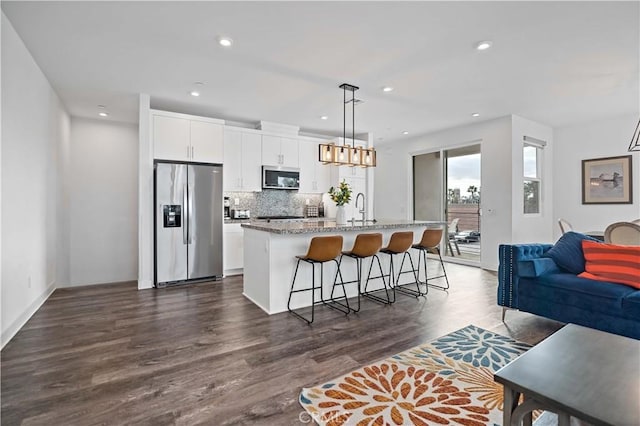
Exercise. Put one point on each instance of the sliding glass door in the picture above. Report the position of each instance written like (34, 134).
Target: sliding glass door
(447, 186)
(463, 203)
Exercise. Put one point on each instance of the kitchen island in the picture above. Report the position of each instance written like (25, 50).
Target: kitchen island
(270, 250)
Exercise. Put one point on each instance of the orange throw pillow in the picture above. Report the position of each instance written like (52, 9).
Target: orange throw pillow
(611, 262)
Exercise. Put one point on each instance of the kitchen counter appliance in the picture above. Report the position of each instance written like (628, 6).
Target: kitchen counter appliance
(227, 208)
(188, 222)
(280, 177)
(240, 214)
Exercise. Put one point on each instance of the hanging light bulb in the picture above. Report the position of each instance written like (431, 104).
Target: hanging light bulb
(355, 157)
(327, 154)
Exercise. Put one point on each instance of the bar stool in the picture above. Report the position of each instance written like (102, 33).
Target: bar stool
(400, 243)
(365, 246)
(321, 250)
(430, 243)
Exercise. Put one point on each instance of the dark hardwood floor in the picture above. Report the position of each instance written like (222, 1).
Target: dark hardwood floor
(203, 354)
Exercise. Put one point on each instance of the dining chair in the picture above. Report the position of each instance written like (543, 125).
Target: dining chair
(623, 233)
(452, 230)
(564, 226)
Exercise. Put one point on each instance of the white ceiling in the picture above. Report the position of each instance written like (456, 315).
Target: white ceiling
(558, 63)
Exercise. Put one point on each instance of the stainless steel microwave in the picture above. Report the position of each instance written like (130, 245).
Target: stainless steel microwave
(280, 177)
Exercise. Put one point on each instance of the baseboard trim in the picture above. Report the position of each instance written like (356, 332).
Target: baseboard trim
(145, 284)
(258, 304)
(232, 272)
(13, 329)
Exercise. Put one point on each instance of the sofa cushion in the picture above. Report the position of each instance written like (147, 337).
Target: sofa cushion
(569, 289)
(567, 252)
(536, 267)
(631, 306)
(613, 263)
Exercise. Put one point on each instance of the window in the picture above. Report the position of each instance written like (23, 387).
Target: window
(532, 171)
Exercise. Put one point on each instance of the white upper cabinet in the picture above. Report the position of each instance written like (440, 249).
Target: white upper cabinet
(232, 169)
(181, 137)
(315, 177)
(242, 161)
(279, 151)
(171, 138)
(207, 144)
(251, 162)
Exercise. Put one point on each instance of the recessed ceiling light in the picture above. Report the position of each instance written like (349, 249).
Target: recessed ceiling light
(387, 89)
(194, 93)
(324, 117)
(484, 45)
(475, 114)
(103, 114)
(405, 133)
(225, 41)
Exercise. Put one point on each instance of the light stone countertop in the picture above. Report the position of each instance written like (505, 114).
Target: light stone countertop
(321, 226)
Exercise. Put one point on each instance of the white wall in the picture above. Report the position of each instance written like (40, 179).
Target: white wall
(145, 195)
(605, 138)
(393, 178)
(104, 202)
(531, 227)
(34, 133)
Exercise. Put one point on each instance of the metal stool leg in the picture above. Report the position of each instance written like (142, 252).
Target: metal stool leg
(358, 280)
(444, 273)
(381, 276)
(332, 300)
(313, 293)
(423, 254)
(402, 288)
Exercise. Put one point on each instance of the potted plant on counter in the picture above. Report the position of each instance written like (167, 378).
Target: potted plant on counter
(341, 196)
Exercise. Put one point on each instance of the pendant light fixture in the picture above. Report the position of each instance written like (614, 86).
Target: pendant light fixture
(634, 145)
(344, 154)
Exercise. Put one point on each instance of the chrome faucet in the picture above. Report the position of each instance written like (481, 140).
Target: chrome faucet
(362, 210)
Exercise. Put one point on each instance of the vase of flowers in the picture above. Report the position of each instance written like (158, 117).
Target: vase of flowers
(341, 196)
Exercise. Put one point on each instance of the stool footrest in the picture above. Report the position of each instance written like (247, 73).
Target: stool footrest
(402, 288)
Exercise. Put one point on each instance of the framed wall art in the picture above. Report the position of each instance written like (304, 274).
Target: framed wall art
(607, 180)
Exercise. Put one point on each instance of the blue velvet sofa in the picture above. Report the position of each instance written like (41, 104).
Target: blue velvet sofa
(530, 282)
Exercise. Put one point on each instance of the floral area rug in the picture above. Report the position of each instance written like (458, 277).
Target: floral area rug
(448, 381)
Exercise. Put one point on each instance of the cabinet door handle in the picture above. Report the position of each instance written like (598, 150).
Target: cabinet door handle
(192, 153)
(187, 152)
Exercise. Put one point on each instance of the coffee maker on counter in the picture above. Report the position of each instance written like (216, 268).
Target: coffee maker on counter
(227, 208)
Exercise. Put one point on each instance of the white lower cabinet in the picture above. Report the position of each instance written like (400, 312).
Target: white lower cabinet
(233, 247)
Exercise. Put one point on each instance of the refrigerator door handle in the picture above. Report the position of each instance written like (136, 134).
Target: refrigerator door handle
(190, 216)
(184, 222)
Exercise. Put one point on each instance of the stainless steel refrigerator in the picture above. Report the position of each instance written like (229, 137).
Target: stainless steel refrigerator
(188, 222)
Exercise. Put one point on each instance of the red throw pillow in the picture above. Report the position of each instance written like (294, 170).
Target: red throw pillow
(611, 262)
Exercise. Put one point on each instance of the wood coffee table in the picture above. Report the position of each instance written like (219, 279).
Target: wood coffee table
(577, 372)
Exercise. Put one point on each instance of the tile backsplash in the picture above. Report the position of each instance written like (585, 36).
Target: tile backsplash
(273, 202)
